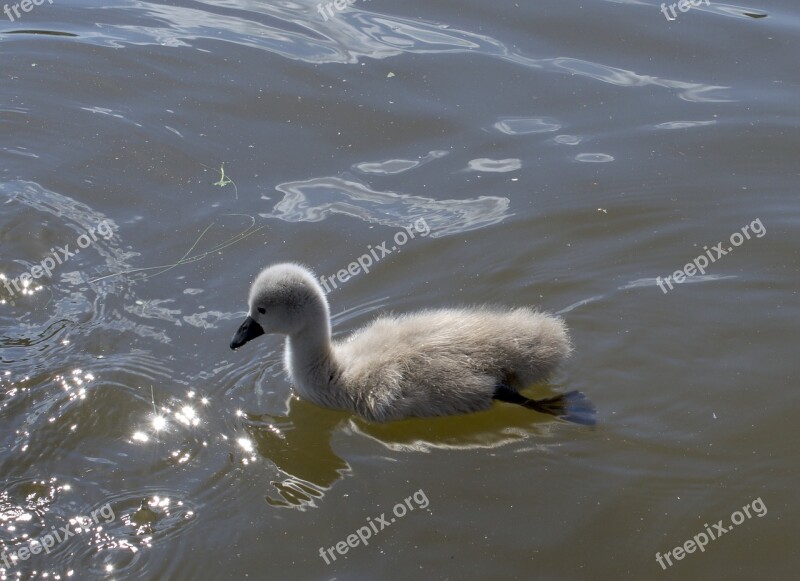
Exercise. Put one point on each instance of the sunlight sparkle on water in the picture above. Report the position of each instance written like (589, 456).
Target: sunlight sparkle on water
(187, 416)
(159, 423)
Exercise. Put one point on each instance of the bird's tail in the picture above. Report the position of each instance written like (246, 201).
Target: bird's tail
(572, 406)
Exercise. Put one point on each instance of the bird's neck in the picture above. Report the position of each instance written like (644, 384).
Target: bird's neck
(310, 362)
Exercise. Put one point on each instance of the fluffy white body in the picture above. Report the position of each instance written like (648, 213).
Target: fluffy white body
(429, 363)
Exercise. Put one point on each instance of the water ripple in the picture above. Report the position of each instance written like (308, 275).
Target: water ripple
(594, 157)
(525, 125)
(684, 124)
(296, 31)
(396, 166)
(495, 165)
(70, 293)
(303, 202)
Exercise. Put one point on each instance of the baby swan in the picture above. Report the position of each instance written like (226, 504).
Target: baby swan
(430, 363)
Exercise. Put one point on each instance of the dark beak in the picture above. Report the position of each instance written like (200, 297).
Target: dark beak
(249, 330)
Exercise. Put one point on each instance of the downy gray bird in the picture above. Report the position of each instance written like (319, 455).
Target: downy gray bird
(433, 362)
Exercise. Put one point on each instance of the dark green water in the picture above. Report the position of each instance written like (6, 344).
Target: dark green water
(562, 154)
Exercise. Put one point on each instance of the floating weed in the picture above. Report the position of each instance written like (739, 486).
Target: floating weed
(187, 258)
(225, 180)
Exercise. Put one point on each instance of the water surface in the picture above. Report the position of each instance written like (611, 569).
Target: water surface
(563, 154)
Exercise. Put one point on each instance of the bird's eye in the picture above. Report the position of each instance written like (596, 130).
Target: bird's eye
(262, 310)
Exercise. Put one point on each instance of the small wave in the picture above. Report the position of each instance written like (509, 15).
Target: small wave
(316, 199)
